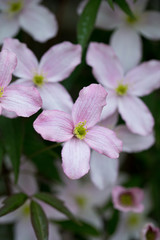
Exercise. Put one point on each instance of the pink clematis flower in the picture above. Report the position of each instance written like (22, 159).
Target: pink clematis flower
(124, 90)
(79, 132)
(55, 65)
(18, 99)
(150, 232)
(126, 40)
(128, 199)
(30, 16)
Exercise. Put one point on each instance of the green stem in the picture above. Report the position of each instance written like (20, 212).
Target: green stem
(45, 149)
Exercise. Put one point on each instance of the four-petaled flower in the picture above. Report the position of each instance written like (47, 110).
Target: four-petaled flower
(79, 132)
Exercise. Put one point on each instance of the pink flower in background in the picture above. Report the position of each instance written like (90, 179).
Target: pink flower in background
(128, 199)
(79, 132)
(126, 39)
(16, 98)
(124, 90)
(33, 18)
(150, 232)
(55, 65)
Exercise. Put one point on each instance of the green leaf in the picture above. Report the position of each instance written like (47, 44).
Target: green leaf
(12, 134)
(86, 22)
(82, 228)
(39, 221)
(125, 7)
(111, 4)
(55, 203)
(12, 203)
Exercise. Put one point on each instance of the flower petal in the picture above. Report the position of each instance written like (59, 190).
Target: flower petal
(54, 125)
(88, 106)
(75, 158)
(127, 46)
(24, 101)
(23, 229)
(39, 22)
(60, 60)
(110, 122)
(104, 170)
(148, 25)
(9, 27)
(27, 63)
(134, 142)
(55, 96)
(8, 114)
(8, 62)
(106, 66)
(136, 115)
(104, 141)
(144, 78)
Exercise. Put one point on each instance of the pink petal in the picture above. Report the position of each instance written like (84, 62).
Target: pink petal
(27, 63)
(148, 25)
(104, 141)
(9, 27)
(110, 122)
(54, 125)
(112, 105)
(55, 96)
(104, 170)
(136, 115)
(75, 158)
(39, 22)
(106, 66)
(60, 60)
(8, 114)
(24, 101)
(127, 46)
(145, 78)
(134, 142)
(8, 62)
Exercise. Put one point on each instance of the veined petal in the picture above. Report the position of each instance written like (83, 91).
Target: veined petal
(54, 125)
(144, 78)
(55, 96)
(8, 62)
(104, 170)
(75, 158)
(24, 101)
(134, 142)
(9, 27)
(39, 22)
(136, 115)
(127, 46)
(106, 66)
(88, 106)
(111, 121)
(148, 25)
(27, 62)
(60, 60)
(103, 141)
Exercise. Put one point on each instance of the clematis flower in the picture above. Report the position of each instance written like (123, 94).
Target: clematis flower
(55, 65)
(101, 164)
(126, 39)
(128, 199)
(32, 17)
(150, 232)
(79, 131)
(15, 98)
(124, 89)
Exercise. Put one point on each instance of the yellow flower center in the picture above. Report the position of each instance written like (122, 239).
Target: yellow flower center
(122, 89)
(80, 131)
(131, 20)
(81, 201)
(26, 210)
(150, 235)
(15, 7)
(134, 220)
(38, 80)
(1, 91)
(126, 199)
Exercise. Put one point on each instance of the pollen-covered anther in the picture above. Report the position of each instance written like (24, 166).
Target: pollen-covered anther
(80, 131)
(38, 80)
(122, 89)
(1, 91)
